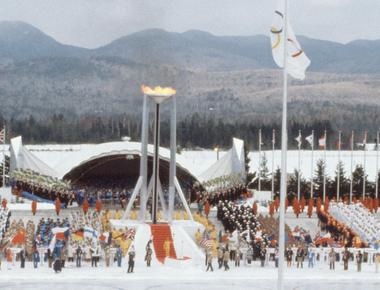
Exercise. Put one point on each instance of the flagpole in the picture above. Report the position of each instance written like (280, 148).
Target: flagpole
(259, 172)
(284, 140)
(324, 169)
(352, 159)
(273, 148)
(338, 177)
(377, 165)
(4, 156)
(299, 166)
(364, 163)
(312, 165)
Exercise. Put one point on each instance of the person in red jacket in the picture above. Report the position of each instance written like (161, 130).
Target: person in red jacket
(98, 205)
(85, 206)
(207, 208)
(4, 203)
(34, 207)
(57, 206)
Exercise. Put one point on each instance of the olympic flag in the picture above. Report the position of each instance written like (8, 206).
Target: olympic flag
(288, 55)
(297, 61)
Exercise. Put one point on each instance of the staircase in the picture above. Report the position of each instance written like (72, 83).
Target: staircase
(161, 233)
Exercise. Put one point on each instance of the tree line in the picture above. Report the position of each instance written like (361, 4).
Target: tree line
(196, 130)
(305, 184)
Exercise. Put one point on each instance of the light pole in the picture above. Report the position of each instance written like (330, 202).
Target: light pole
(216, 149)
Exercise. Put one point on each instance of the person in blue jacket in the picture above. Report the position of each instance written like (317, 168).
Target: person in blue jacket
(36, 258)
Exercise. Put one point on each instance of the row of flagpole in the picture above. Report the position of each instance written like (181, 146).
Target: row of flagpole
(322, 141)
(2, 140)
(322, 144)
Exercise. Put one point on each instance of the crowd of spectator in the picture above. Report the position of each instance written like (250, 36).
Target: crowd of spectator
(4, 221)
(46, 187)
(339, 232)
(358, 218)
(230, 194)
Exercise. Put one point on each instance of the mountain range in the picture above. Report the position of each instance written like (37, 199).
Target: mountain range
(229, 76)
(192, 50)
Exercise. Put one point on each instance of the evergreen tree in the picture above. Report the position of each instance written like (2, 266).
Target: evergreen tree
(344, 182)
(357, 181)
(266, 182)
(318, 180)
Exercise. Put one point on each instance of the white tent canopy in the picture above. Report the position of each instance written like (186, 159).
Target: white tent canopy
(22, 158)
(230, 164)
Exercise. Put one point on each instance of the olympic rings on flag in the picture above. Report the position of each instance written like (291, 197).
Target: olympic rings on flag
(277, 31)
(277, 42)
(274, 30)
(299, 50)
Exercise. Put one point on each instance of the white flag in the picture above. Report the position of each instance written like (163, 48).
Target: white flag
(297, 61)
(310, 139)
(299, 140)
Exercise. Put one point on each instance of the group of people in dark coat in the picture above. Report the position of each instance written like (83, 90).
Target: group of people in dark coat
(242, 219)
(231, 194)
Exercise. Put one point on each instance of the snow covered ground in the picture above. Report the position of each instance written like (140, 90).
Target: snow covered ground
(173, 278)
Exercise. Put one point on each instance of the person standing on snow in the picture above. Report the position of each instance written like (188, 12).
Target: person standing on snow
(209, 263)
(148, 256)
(78, 256)
(276, 256)
(22, 258)
(300, 256)
(359, 260)
(220, 257)
(57, 264)
(237, 257)
(36, 258)
(310, 257)
(263, 253)
(346, 257)
(289, 256)
(119, 256)
(131, 260)
(107, 256)
(226, 258)
(332, 258)
(377, 262)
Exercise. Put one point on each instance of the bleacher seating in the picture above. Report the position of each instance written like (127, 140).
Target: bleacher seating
(358, 218)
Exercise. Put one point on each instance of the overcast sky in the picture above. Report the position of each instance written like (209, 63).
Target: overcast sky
(92, 23)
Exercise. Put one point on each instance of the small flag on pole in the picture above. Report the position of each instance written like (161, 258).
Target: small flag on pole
(206, 243)
(322, 142)
(297, 61)
(299, 140)
(310, 139)
(130, 234)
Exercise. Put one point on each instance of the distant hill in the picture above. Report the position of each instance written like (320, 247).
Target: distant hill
(229, 77)
(194, 50)
(20, 41)
(201, 50)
